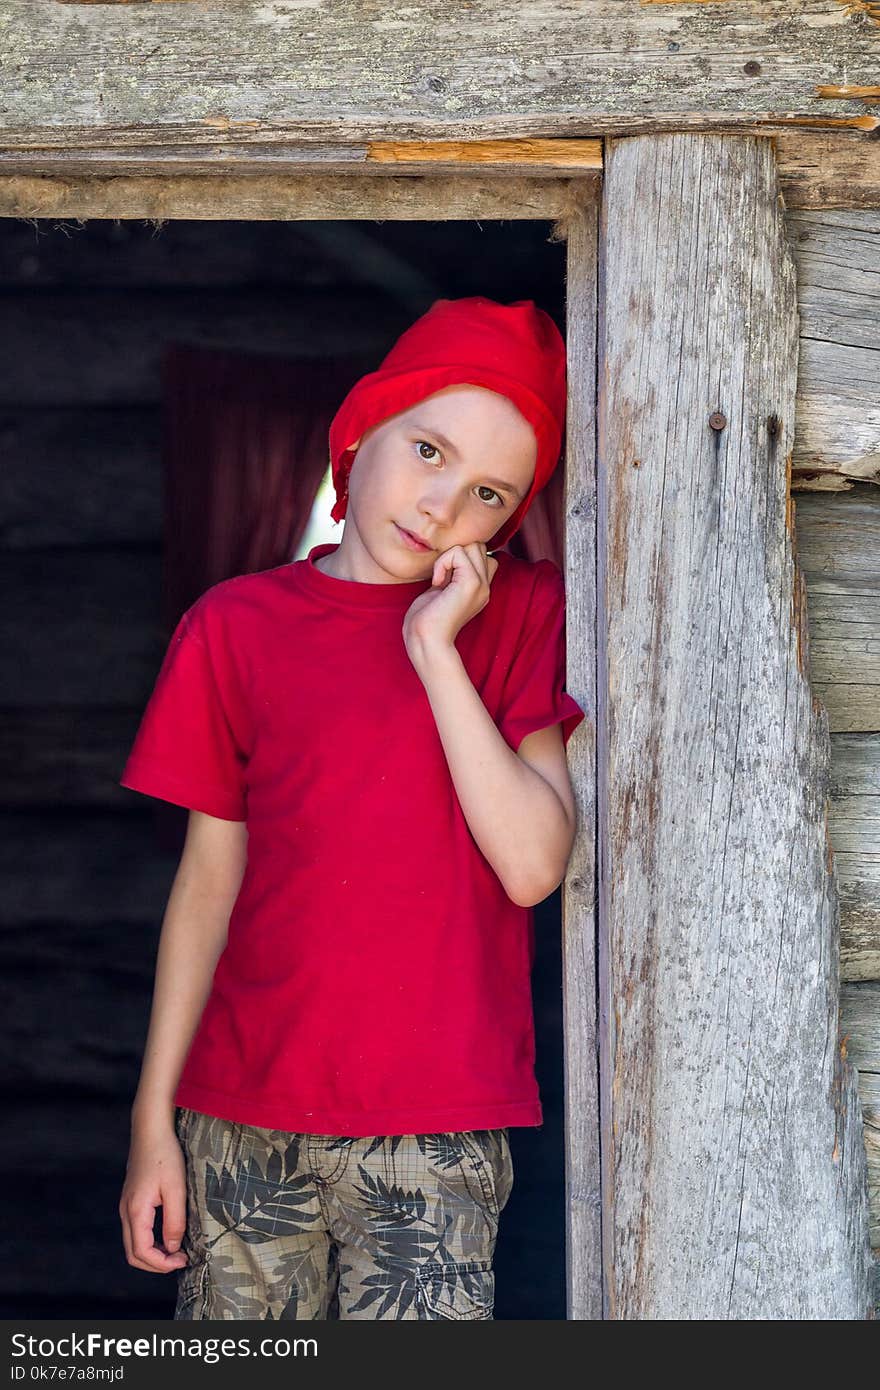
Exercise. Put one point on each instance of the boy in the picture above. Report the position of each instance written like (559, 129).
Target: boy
(371, 743)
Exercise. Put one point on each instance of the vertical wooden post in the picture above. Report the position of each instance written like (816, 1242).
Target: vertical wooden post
(583, 1205)
(734, 1183)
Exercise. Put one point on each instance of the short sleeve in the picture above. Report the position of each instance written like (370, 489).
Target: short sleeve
(534, 694)
(188, 748)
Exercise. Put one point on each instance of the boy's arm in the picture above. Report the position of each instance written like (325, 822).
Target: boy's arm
(194, 933)
(519, 806)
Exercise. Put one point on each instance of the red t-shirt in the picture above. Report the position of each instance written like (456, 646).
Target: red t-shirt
(376, 978)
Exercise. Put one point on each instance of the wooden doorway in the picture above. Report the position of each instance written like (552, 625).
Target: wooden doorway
(571, 204)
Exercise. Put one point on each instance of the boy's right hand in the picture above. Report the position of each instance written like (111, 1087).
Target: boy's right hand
(155, 1177)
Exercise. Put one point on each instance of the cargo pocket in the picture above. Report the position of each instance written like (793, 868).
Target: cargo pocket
(491, 1166)
(457, 1291)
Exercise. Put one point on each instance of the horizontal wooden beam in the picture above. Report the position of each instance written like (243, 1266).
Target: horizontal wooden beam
(280, 197)
(537, 157)
(345, 71)
(817, 170)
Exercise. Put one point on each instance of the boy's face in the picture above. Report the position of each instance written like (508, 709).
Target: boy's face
(449, 469)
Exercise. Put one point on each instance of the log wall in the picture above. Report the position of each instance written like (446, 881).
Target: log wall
(836, 491)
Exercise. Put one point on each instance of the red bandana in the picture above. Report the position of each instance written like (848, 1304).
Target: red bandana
(514, 349)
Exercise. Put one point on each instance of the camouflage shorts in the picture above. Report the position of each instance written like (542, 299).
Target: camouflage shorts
(301, 1226)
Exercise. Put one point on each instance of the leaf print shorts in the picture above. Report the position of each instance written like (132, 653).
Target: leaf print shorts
(305, 1226)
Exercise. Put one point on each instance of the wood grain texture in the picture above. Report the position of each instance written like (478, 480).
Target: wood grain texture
(537, 157)
(345, 69)
(732, 1135)
(286, 197)
(583, 1181)
(869, 1095)
(837, 423)
(854, 831)
(860, 1024)
(822, 170)
(838, 539)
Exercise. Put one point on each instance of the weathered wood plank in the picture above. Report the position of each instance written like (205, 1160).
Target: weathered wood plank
(860, 1021)
(838, 538)
(341, 71)
(860, 1024)
(828, 169)
(817, 169)
(288, 197)
(854, 832)
(582, 1160)
(869, 1096)
(843, 621)
(837, 423)
(732, 1134)
(538, 158)
(838, 545)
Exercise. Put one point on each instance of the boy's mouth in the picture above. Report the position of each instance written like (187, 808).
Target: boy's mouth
(412, 541)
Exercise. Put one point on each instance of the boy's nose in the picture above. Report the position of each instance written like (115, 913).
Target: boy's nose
(439, 507)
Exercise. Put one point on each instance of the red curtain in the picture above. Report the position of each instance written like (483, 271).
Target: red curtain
(244, 442)
(540, 535)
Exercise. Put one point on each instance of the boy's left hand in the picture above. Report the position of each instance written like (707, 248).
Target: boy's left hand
(460, 589)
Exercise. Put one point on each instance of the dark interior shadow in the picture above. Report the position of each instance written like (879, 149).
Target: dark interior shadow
(86, 871)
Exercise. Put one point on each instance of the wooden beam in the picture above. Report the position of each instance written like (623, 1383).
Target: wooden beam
(732, 1139)
(541, 158)
(817, 170)
(583, 1175)
(823, 170)
(342, 71)
(837, 439)
(838, 540)
(278, 197)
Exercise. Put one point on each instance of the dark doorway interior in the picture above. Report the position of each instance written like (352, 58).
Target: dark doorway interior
(88, 309)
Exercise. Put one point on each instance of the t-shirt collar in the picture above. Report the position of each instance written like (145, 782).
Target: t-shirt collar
(354, 593)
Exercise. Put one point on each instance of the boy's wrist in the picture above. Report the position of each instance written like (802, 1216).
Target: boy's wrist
(152, 1113)
(433, 655)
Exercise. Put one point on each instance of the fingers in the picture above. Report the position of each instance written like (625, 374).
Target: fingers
(141, 1251)
(443, 567)
(484, 563)
(173, 1216)
(476, 552)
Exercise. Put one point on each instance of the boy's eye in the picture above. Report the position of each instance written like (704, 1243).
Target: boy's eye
(491, 490)
(425, 444)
